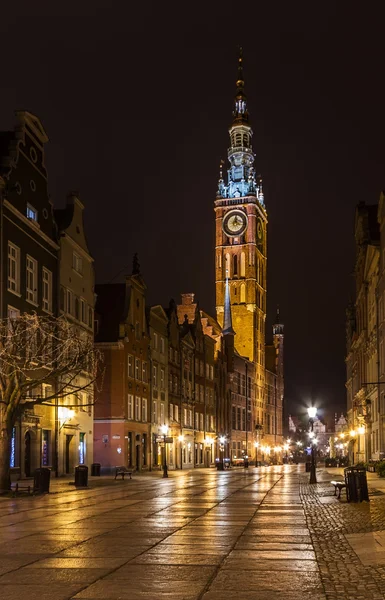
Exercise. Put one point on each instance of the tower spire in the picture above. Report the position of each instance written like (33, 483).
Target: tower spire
(240, 108)
(227, 318)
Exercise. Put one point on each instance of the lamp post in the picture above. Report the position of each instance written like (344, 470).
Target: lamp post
(312, 412)
(256, 445)
(222, 440)
(181, 438)
(164, 430)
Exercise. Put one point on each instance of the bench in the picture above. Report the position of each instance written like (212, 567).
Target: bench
(19, 488)
(338, 485)
(122, 471)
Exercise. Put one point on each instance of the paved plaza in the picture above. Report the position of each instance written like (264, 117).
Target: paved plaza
(247, 534)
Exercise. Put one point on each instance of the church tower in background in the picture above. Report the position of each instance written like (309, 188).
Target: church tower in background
(240, 242)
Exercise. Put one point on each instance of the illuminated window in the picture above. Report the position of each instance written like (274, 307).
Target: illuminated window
(31, 213)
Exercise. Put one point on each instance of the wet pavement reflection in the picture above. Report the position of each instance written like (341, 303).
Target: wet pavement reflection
(198, 535)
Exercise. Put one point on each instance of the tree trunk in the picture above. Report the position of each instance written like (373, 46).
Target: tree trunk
(5, 439)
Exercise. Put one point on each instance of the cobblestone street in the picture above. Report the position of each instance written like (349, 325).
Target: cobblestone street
(257, 534)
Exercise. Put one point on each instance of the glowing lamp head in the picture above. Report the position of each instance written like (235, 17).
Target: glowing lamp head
(222, 439)
(181, 438)
(352, 433)
(312, 412)
(256, 444)
(361, 429)
(164, 429)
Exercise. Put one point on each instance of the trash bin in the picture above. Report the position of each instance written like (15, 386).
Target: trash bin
(356, 484)
(308, 467)
(41, 480)
(95, 469)
(81, 476)
(220, 465)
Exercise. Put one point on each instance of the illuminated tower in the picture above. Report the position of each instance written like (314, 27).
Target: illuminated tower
(240, 241)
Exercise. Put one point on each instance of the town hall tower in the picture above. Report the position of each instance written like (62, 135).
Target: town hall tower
(240, 241)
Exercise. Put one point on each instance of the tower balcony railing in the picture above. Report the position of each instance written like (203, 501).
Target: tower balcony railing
(236, 201)
(243, 149)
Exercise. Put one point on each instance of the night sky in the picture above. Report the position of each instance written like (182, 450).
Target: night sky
(136, 99)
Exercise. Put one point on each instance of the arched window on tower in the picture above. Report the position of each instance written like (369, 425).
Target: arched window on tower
(243, 264)
(243, 293)
(235, 264)
(227, 266)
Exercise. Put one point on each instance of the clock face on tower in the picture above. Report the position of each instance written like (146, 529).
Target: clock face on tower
(234, 223)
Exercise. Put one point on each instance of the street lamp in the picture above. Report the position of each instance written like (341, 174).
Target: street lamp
(312, 412)
(222, 440)
(164, 430)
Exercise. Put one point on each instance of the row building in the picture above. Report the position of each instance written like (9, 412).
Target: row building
(210, 385)
(46, 268)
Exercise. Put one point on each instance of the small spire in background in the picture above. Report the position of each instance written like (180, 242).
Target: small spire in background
(135, 265)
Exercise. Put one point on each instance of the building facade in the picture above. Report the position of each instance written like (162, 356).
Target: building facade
(122, 427)
(363, 363)
(29, 270)
(76, 302)
(158, 356)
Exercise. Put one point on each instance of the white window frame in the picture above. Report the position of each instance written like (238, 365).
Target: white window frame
(154, 411)
(144, 372)
(130, 407)
(47, 290)
(162, 375)
(138, 369)
(130, 365)
(77, 263)
(176, 412)
(144, 410)
(137, 408)
(31, 213)
(31, 279)
(155, 375)
(162, 421)
(13, 268)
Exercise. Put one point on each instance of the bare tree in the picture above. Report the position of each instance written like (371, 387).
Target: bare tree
(35, 352)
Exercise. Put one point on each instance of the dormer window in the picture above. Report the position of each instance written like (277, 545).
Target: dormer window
(31, 212)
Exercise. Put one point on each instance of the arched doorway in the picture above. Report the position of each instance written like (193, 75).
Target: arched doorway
(27, 454)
